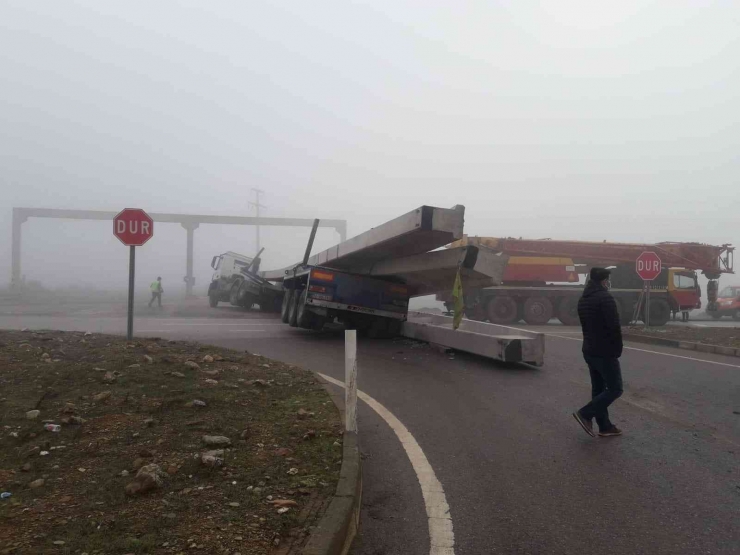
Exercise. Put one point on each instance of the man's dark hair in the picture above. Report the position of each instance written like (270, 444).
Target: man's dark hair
(599, 274)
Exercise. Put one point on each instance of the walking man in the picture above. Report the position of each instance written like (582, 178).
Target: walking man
(602, 347)
(157, 290)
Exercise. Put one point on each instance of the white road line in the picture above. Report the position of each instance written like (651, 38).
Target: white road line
(441, 536)
(656, 352)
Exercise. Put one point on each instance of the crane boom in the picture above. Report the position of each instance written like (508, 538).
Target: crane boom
(711, 260)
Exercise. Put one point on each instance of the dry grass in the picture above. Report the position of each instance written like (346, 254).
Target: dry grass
(150, 416)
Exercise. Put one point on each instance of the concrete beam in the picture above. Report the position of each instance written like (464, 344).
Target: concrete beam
(488, 340)
(433, 272)
(415, 232)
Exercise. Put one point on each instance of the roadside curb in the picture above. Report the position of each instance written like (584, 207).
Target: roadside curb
(686, 345)
(335, 531)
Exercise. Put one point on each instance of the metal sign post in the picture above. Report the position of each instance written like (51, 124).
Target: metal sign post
(131, 272)
(647, 304)
(133, 227)
(648, 266)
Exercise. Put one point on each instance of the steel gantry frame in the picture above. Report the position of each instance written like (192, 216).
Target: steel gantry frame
(190, 222)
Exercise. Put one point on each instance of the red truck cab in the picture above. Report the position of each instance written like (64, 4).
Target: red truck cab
(728, 303)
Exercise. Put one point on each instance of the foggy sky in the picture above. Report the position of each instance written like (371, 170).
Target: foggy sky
(572, 120)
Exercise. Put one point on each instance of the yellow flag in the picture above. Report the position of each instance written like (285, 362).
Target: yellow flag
(457, 294)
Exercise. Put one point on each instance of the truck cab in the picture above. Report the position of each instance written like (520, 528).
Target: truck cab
(728, 303)
(227, 277)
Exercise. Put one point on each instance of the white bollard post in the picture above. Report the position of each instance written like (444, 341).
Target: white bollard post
(350, 380)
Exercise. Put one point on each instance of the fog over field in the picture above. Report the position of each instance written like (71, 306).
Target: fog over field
(579, 120)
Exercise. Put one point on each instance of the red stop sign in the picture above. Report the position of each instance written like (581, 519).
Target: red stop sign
(648, 266)
(133, 227)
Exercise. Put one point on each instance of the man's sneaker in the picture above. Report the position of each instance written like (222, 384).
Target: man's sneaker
(587, 425)
(613, 431)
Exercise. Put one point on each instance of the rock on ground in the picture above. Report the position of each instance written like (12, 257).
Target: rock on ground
(217, 441)
(213, 458)
(148, 478)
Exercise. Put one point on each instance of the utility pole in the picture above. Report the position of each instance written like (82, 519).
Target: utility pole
(257, 206)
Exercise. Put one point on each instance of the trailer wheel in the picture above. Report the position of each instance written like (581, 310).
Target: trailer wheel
(537, 311)
(304, 317)
(568, 311)
(285, 308)
(626, 312)
(394, 328)
(475, 312)
(502, 310)
(660, 312)
(213, 300)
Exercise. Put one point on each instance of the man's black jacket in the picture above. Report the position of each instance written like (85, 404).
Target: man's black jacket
(602, 334)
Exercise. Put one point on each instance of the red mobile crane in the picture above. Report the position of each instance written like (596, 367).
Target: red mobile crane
(525, 293)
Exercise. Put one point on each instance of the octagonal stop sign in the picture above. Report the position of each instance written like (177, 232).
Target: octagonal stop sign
(648, 266)
(133, 227)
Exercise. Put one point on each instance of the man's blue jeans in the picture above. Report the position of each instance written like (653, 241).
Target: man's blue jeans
(606, 387)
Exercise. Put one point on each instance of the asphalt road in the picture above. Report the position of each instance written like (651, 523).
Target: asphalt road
(520, 476)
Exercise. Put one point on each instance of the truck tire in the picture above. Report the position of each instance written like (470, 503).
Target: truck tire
(293, 309)
(715, 315)
(502, 310)
(537, 311)
(394, 328)
(234, 294)
(213, 299)
(285, 307)
(245, 298)
(304, 317)
(626, 312)
(660, 312)
(568, 311)
(247, 301)
(378, 329)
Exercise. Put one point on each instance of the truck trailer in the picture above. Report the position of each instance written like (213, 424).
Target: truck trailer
(366, 282)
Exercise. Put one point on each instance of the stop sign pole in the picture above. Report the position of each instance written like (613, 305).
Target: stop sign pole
(133, 227)
(648, 267)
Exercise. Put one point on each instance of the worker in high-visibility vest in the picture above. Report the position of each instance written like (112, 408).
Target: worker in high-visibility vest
(157, 290)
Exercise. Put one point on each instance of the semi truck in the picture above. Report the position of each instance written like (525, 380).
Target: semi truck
(236, 280)
(366, 282)
(542, 279)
